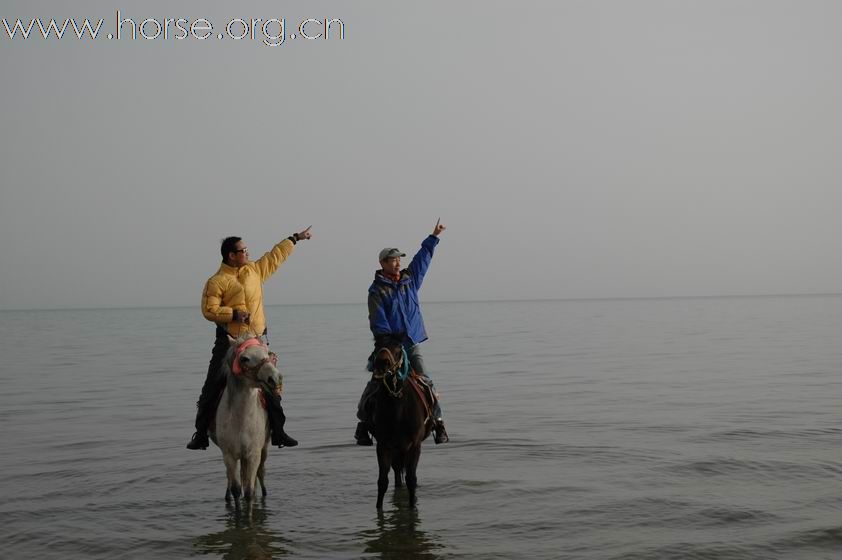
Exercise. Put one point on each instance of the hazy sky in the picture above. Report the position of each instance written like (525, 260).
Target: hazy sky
(573, 149)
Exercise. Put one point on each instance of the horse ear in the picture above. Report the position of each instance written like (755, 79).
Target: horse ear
(231, 340)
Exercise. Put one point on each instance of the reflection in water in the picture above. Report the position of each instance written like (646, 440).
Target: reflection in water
(245, 536)
(397, 535)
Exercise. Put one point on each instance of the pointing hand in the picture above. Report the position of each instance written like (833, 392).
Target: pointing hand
(304, 234)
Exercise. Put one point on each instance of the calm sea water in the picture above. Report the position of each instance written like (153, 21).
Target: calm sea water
(616, 429)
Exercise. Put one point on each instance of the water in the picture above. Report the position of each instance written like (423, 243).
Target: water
(635, 429)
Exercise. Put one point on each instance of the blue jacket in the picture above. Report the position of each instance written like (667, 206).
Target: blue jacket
(393, 307)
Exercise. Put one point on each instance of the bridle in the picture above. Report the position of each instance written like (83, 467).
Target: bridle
(394, 376)
(250, 371)
(391, 375)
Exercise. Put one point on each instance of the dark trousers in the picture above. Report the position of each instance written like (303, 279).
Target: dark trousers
(215, 383)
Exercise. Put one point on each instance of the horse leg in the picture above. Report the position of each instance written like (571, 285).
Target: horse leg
(397, 468)
(411, 465)
(244, 479)
(231, 471)
(251, 463)
(261, 471)
(384, 463)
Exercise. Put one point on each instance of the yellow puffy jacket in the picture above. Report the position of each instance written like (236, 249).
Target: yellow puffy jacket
(242, 289)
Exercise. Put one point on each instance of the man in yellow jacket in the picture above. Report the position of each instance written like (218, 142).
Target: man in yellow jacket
(233, 299)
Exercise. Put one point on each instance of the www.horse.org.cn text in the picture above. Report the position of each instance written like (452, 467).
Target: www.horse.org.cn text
(272, 32)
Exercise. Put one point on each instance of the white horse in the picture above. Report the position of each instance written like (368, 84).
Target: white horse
(241, 428)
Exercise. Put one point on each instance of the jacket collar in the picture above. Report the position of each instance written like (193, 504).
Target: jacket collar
(382, 278)
(228, 269)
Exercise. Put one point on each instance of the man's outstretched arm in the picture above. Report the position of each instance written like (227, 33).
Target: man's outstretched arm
(421, 261)
(272, 260)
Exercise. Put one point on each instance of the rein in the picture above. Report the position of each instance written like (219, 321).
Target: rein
(397, 372)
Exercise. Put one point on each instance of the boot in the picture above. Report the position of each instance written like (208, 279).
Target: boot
(361, 435)
(440, 435)
(283, 439)
(199, 440)
(277, 419)
(200, 437)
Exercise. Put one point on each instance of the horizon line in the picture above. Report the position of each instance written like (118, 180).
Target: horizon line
(509, 300)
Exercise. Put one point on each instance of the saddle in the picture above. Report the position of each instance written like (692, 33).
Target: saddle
(422, 386)
(417, 383)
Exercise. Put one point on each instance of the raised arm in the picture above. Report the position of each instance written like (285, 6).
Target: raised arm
(421, 261)
(272, 260)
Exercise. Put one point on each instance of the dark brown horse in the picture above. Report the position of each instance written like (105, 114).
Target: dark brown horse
(401, 419)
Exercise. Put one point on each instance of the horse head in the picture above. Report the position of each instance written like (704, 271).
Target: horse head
(388, 355)
(389, 363)
(250, 359)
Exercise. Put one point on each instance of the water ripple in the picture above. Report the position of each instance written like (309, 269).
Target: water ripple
(753, 469)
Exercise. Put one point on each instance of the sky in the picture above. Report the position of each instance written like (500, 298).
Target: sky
(573, 149)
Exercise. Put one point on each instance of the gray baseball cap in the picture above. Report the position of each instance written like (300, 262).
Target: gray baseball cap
(390, 252)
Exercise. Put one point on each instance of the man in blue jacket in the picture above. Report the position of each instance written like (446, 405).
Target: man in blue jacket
(394, 309)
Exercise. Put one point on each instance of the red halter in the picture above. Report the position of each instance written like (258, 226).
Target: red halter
(236, 369)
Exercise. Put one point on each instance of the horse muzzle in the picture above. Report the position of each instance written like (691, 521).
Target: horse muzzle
(270, 377)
